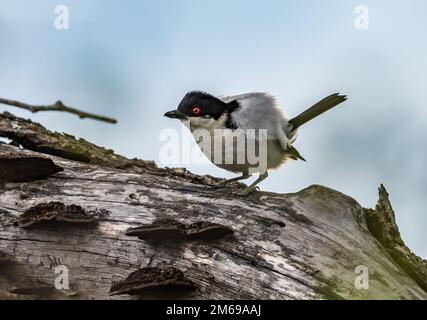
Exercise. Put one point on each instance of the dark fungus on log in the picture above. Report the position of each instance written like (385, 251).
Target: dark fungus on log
(165, 281)
(160, 230)
(207, 231)
(168, 229)
(54, 212)
(16, 167)
(36, 290)
(41, 290)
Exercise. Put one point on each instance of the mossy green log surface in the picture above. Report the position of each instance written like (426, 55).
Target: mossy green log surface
(35, 137)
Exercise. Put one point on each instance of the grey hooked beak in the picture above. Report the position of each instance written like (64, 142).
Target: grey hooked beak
(176, 114)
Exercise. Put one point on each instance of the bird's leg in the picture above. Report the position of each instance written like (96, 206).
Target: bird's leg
(249, 189)
(224, 182)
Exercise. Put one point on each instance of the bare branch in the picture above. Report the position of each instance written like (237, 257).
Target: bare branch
(58, 106)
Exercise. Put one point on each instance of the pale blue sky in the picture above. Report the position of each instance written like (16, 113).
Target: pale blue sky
(134, 60)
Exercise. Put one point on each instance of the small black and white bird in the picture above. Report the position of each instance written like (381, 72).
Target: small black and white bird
(234, 115)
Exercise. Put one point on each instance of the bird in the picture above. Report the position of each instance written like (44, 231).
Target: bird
(234, 116)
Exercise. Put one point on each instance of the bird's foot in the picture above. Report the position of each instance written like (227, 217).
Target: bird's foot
(223, 183)
(219, 184)
(245, 192)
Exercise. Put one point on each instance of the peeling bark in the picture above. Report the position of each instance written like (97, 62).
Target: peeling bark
(304, 245)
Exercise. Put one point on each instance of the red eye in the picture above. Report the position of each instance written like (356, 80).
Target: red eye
(196, 111)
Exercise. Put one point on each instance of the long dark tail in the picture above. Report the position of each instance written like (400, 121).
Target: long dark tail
(317, 109)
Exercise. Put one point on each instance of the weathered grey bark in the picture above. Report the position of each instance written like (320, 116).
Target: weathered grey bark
(304, 245)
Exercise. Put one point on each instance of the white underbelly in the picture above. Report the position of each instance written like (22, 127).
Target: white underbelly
(242, 154)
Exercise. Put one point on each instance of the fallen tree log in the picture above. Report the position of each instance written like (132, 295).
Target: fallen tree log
(138, 231)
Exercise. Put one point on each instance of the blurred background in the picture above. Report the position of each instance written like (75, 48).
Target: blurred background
(134, 60)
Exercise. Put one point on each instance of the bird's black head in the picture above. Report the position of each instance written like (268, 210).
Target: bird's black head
(201, 104)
